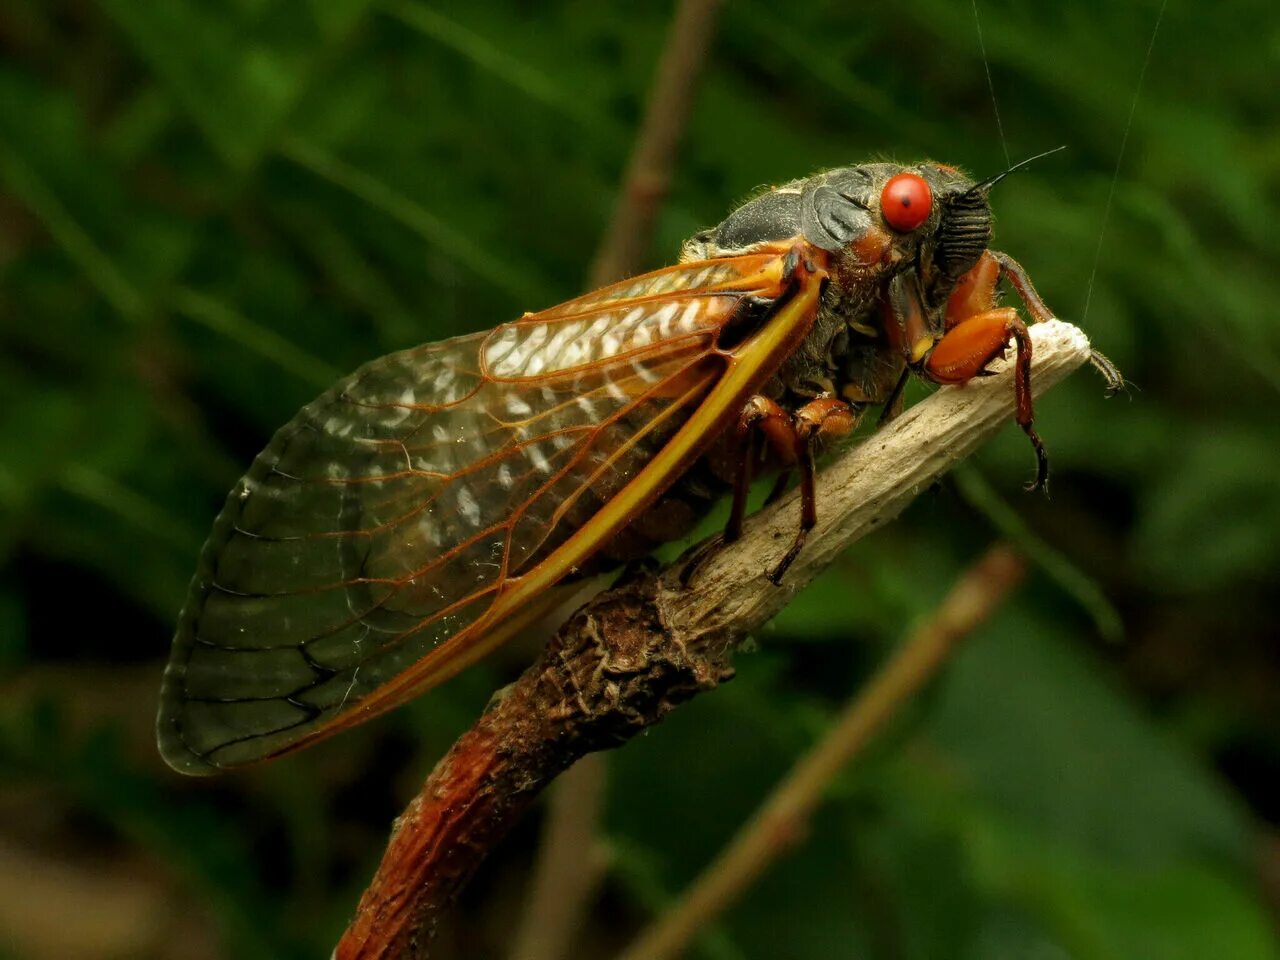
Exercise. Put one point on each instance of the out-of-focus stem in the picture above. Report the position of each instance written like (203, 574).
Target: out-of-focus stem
(781, 819)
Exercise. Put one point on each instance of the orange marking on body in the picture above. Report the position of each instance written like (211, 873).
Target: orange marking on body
(872, 247)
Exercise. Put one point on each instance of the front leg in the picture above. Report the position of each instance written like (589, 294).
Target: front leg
(1018, 279)
(964, 352)
(977, 331)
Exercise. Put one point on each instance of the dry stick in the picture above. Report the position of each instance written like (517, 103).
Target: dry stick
(571, 858)
(638, 650)
(778, 823)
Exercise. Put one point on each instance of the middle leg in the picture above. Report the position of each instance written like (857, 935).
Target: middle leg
(791, 437)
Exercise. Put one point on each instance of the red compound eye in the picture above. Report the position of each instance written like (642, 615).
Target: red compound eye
(906, 202)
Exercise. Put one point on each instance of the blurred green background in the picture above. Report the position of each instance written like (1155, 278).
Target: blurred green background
(210, 210)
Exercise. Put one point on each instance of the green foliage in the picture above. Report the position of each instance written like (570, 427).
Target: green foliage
(210, 210)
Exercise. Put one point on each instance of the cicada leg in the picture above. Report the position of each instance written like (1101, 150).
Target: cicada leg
(763, 418)
(1018, 279)
(748, 429)
(892, 405)
(792, 438)
(1109, 372)
(964, 352)
(976, 333)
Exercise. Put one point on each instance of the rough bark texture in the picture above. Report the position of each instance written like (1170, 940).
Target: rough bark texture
(609, 672)
(638, 650)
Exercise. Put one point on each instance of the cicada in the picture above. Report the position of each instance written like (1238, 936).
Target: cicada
(426, 507)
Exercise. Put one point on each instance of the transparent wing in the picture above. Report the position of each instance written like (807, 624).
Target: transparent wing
(383, 521)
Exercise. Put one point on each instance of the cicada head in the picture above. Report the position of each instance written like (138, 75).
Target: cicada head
(881, 219)
(877, 217)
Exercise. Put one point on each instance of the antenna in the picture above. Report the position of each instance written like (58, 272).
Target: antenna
(992, 181)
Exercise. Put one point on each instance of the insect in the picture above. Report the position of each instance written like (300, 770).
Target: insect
(426, 507)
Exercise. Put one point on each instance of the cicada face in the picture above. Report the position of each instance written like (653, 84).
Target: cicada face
(900, 239)
(876, 219)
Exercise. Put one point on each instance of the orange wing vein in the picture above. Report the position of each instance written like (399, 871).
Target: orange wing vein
(411, 517)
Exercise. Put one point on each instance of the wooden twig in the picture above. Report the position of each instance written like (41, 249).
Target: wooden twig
(571, 858)
(781, 819)
(638, 650)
